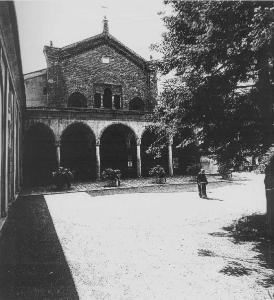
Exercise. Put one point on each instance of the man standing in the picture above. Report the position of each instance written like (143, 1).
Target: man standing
(202, 182)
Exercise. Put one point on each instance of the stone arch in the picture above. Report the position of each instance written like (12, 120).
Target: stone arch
(107, 98)
(31, 123)
(77, 99)
(78, 150)
(117, 123)
(39, 157)
(80, 123)
(137, 104)
(118, 149)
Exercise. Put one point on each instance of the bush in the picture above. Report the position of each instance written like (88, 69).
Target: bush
(62, 177)
(113, 175)
(157, 171)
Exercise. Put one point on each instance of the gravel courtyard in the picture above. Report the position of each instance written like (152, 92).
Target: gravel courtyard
(162, 245)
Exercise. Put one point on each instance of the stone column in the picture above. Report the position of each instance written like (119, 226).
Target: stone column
(170, 159)
(101, 100)
(57, 146)
(139, 162)
(98, 160)
(112, 102)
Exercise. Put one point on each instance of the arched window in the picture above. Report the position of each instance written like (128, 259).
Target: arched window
(107, 99)
(97, 100)
(77, 100)
(117, 102)
(136, 104)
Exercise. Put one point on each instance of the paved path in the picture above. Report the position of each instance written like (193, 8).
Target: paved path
(161, 245)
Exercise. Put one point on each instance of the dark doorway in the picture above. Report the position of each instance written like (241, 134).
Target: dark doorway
(107, 98)
(117, 101)
(77, 100)
(118, 150)
(78, 151)
(40, 157)
(97, 100)
(136, 104)
(148, 159)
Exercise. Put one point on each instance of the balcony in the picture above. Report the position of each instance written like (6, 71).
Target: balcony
(85, 114)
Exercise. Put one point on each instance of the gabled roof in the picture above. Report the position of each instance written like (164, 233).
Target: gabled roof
(104, 38)
(98, 40)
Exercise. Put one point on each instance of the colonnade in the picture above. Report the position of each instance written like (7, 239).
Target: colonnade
(138, 159)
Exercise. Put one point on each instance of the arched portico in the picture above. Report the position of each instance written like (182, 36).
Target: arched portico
(78, 151)
(97, 129)
(40, 157)
(118, 149)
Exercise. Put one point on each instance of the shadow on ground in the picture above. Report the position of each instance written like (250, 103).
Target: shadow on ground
(32, 262)
(251, 229)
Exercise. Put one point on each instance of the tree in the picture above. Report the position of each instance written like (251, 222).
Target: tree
(222, 54)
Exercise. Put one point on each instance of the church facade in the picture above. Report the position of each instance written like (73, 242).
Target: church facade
(88, 111)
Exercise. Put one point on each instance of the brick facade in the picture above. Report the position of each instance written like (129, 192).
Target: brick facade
(80, 68)
(36, 88)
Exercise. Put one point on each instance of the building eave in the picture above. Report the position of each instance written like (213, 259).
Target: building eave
(35, 74)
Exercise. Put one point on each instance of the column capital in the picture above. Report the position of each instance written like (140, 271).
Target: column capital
(98, 142)
(138, 141)
(170, 140)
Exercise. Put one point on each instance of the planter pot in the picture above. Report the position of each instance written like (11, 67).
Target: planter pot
(160, 180)
(226, 176)
(62, 183)
(113, 183)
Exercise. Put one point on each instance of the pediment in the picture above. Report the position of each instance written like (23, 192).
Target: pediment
(98, 41)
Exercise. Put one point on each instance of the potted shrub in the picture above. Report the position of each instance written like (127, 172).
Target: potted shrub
(112, 176)
(62, 177)
(158, 172)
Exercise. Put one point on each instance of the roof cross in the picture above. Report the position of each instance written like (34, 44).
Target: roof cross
(105, 28)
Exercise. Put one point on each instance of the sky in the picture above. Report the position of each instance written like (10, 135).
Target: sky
(135, 23)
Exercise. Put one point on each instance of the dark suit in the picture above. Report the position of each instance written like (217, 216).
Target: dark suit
(202, 182)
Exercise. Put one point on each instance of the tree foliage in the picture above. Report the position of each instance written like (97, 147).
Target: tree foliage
(222, 54)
